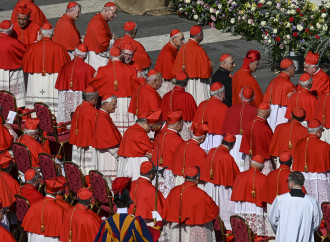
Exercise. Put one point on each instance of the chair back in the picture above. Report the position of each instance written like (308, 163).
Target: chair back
(46, 119)
(325, 206)
(22, 156)
(22, 206)
(240, 229)
(47, 166)
(74, 176)
(8, 103)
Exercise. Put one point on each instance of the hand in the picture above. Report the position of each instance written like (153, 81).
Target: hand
(114, 37)
(148, 155)
(39, 36)
(155, 215)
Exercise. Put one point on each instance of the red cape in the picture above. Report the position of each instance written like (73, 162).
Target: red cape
(36, 15)
(6, 235)
(34, 147)
(31, 193)
(166, 60)
(11, 52)
(322, 112)
(7, 197)
(321, 83)
(12, 183)
(60, 201)
(6, 138)
(28, 35)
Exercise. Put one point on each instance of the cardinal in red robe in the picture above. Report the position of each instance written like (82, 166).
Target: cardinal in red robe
(37, 16)
(29, 189)
(243, 77)
(6, 165)
(6, 138)
(7, 197)
(322, 113)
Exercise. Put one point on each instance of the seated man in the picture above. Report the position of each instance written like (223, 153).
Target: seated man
(29, 189)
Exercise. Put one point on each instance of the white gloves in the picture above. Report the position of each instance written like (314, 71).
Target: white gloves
(155, 215)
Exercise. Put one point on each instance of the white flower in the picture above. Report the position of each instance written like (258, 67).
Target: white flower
(244, 17)
(253, 8)
(288, 25)
(318, 25)
(327, 5)
(250, 21)
(323, 15)
(288, 36)
(274, 31)
(195, 16)
(262, 1)
(232, 20)
(263, 23)
(239, 18)
(278, 5)
(217, 13)
(300, 28)
(275, 20)
(230, 1)
(180, 9)
(325, 27)
(292, 5)
(312, 28)
(285, 42)
(188, 1)
(269, 3)
(211, 10)
(233, 3)
(269, 41)
(219, 6)
(266, 14)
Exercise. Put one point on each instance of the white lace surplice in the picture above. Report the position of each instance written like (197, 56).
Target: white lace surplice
(68, 101)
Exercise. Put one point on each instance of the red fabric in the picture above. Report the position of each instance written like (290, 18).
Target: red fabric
(302, 98)
(84, 117)
(53, 215)
(12, 183)
(137, 81)
(135, 142)
(7, 197)
(194, 58)
(77, 71)
(6, 138)
(276, 184)
(317, 155)
(36, 15)
(83, 223)
(31, 193)
(191, 154)
(145, 99)
(321, 83)
(55, 57)
(261, 137)
(60, 201)
(106, 76)
(166, 60)
(212, 112)
(34, 147)
(233, 123)
(27, 35)
(243, 78)
(179, 100)
(66, 33)
(11, 52)
(224, 167)
(166, 147)
(6, 235)
(281, 137)
(196, 206)
(322, 112)
(143, 195)
(243, 187)
(278, 90)
(140, 56)
(106, 134)
(98, 34)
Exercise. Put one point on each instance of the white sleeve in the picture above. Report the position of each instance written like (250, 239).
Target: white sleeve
(317, 216)
(274, 215)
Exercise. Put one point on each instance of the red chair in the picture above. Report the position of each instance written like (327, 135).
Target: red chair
(22, 157)
(324, 235)
(48, 166)
(75, 179)
(101, 192)
(220, 229)
(48, 124)
(22, 206)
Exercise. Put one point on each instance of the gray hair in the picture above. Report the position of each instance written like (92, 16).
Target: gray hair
(306, 83)
(31, 131)
(256, 164)
(175, 36)
(108, 8)
(287, 69)
(87, 96)
(141, 120)
(108, 100)
(131, 32)
(314, 130)
(246, 99)
(68, 10)
(217, 92)
(317, 65)
(47, 32)
(153, 77)
(194, 36)
(80, 53)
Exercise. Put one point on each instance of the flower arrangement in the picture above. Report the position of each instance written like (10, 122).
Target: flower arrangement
(281, 26)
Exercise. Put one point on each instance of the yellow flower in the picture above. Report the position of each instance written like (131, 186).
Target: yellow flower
(314, 7)
(321, 20)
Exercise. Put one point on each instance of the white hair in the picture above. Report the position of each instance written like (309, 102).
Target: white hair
(314, 130)
(47, 32)
(317, 65)
(175, 36)
(217, 92)
(246, 99)
(198, 137)
(68, 10)
(107, 8)
(256, 164)
(108, 100)
(7, 31)
(80, 53)
(306, 83)
(153, 77)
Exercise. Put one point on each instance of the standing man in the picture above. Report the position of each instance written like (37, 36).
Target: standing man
(193, 59)
(226, 66)
(243, 77)
(166, 59)
(11, 55)
(277, 92)
(322, 113)
(37, 16)
(294, 216)
(98, 36)
(66, 32)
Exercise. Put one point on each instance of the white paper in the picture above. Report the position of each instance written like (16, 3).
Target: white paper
(11, 117)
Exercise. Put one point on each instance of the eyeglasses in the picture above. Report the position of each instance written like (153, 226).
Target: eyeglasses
(126, 54)
(114, 13)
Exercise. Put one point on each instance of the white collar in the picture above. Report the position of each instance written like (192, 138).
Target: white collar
(172, 130)
(122, 210)
(144, 177)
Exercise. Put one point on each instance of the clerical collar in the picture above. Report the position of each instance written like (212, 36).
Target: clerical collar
(172, 45)
(173, 130)
(122, 210)
(224, 70)
(48, 195)
(297, 193)
(317, 71)
(194, 40)
(195, 140)
(144, 177)
(260, 117)
(104, 111)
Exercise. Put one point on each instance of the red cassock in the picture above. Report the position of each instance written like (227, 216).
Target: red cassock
(245, 183)
(321, 83)
(140, 56)
(256, 138)
(322, 112)
(212, 112)
(7, 197)
(278, 90)
(12, 183)
(189, 205)
(36, 15)
(221, 168)
(276, 184)
(143, 195)
(237, 117)
(169, 140)
(165, 61)
(6, 235)
(66, 33)
(115, 78)
(75, 75)
(135, 142)
(194, 59)
(286, 137)
(45, 212)
(179, 100)
(60, 201)
(139, 78)
(31, 193)
(82, 125)
(106, 134)
(145, 99)
(188, 153)
(11, 52)
(98, 34)
(243, 78)
(313, 156)
(83, 223)
(27, 35)
(34, 147)
(302, 98)
(6, 138)
(45, 56)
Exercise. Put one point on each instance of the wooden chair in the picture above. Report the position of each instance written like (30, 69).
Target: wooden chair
(325, 236)
(48, 166)
(22, 157)
(22, 206)
(75, 179)
(220, 229)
